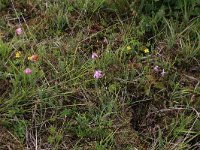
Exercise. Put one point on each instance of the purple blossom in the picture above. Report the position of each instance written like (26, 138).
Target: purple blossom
(19, 31)
(94, 56)
(163, 73)
(156, 68)
(98, 74)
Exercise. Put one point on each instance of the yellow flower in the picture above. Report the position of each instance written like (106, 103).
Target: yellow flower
(17, 54)
(146, 50)
(128, 48)
(30, 58)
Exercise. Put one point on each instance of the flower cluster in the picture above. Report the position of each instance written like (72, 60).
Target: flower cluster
(156, 69)
(18, 54)
(98, 73)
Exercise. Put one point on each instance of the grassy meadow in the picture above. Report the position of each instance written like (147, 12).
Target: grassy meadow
(99, 74)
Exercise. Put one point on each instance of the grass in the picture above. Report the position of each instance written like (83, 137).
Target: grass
(62, 106)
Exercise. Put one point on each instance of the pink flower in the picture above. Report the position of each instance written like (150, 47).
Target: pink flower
(27, 71)
(98, 74)
(156, 68)
(19, 31)
(94, 56)
(163, 73)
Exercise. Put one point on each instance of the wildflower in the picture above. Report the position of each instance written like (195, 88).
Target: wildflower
(156, 68)
(146, 50)
(18, 54)
(94, 56)
(128, 48)
(27, 71)
(33, 58)
(98, 74)
(163, 73)
(19, 31)
(30, 58)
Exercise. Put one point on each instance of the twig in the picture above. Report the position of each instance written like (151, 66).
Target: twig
(192, 78)
(188, 133)
(182, 107)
